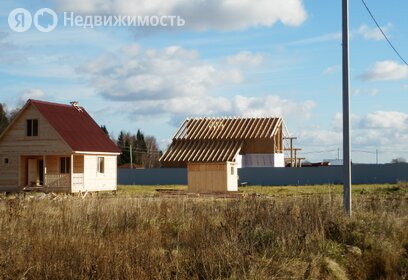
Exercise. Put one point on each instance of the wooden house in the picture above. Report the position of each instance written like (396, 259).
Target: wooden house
(213, 148)
(56, 147)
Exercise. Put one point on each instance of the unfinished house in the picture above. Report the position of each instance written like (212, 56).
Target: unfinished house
(56, 147)
(213, 148)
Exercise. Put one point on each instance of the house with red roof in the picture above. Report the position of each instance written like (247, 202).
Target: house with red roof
(56, 147)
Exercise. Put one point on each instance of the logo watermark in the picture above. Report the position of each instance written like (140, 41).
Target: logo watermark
(20, 20)
(46, 20)
(50, 15)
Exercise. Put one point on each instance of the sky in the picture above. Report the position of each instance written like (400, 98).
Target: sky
(230, 58)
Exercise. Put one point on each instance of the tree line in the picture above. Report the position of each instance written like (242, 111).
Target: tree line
(6, 116)
(143, 151)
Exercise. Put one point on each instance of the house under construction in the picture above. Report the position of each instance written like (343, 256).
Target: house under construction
(213, 148)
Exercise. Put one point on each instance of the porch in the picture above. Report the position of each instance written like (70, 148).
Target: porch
(52, 173)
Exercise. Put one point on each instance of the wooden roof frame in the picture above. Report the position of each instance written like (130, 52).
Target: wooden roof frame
(217, 139)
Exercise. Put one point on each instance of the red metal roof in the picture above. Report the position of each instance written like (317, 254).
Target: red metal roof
(76, 127)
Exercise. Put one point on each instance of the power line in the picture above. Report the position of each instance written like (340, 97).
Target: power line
(361, 151)
(383, 33)
(318, 152)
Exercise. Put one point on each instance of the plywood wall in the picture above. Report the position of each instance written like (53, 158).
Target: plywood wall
(258, 146)
(212, 177)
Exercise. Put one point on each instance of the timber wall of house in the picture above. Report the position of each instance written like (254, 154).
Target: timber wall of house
(15, 143)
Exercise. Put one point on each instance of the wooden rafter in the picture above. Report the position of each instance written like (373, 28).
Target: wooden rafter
(219, 139)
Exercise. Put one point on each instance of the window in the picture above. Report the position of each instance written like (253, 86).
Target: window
(6, 161)
(32, 127)
(101, 165)
(65, 165)
(232, 170)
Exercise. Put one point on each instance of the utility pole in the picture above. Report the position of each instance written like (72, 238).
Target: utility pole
(376, 156)
(291, 149)
(338, 153)
(131, 155)
(296, 158)
(346, 111)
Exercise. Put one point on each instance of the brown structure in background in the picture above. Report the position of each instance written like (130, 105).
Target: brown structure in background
(213, 148)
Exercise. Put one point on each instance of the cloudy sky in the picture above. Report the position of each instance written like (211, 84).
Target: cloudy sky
(231, 58)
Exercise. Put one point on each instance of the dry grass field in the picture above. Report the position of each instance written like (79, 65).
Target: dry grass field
(281, 233)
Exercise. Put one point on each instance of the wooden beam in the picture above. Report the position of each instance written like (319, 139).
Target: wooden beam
(235, 148)
(213, 153)
(202, 132)
(229, 132)
(242, 128)
(264, 132)
(275, 127)
(210, 148)
(257, 128)
(215, 131)
(178, 150)
(182, 128)
(195, 126)
(191, 150)
(247, 131)
(226, 130)
(239, 124)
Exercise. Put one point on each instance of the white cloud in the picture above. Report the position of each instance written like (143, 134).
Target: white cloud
(335, 36)
(175, 82)
(386, 131)
(397, 121)
(373, 33)
(34, 93)
(133, 73)
(379, 129)
(373, 91)
(319, 137)
(331, 70)
(177, 109)
(4, 44)
(370, 91)
(386, 70)
(337, 122)
(200, 14)
(271, 105)
(190, 106)
(245, 58)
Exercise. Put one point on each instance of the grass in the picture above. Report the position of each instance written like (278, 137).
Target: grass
(401, 188)
(146, 191)
(284, 234)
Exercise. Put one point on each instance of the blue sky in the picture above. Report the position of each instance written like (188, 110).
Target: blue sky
(231, 58)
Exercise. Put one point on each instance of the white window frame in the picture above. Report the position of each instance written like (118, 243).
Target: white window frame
(100, 165)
